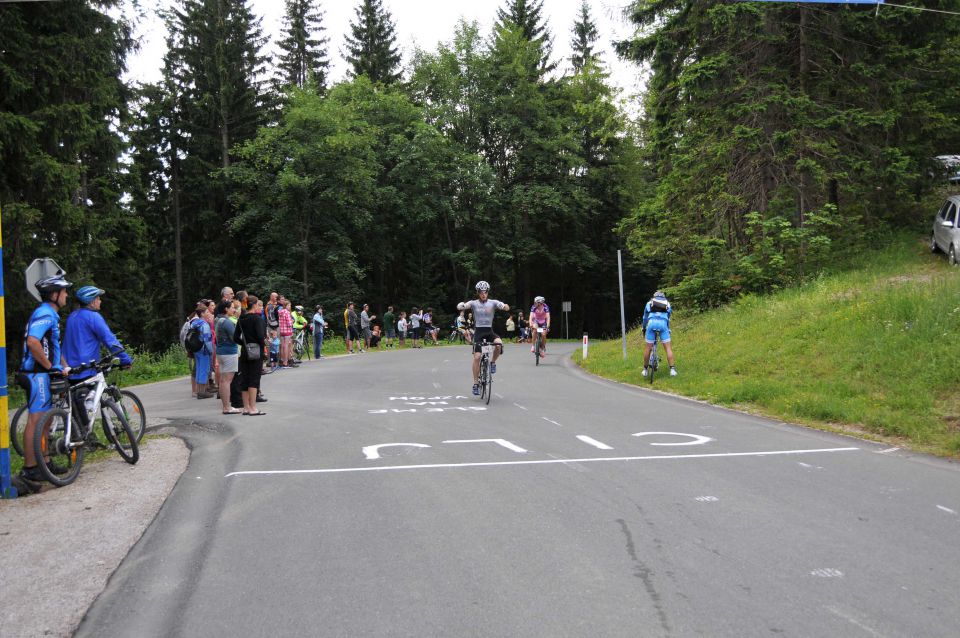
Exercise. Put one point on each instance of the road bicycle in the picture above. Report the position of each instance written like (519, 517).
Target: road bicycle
(300, 345)
(458, 334)
(129, 403)
(486, 378)
(538, 345)
(66, 432)
(654, 361)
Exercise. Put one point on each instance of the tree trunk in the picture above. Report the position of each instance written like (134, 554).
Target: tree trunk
(177, 248)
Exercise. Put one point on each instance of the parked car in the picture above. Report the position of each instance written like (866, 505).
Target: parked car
(946, 231)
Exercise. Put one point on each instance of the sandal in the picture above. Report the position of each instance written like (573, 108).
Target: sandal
(233, 411)
(256, 413)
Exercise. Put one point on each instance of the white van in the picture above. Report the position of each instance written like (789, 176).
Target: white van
(946, 231)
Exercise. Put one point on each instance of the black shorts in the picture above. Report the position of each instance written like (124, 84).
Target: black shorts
(353, 334)
(481, 335)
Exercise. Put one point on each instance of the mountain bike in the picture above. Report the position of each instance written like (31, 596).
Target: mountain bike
(66, 432)
(486, 379)
(654, 361)
(129, 403)
(538, 344)
(300, 344)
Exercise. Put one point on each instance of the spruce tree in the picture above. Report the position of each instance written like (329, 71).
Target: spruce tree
(371, 45)
(527, 15)
(304, 49)
(584, 36)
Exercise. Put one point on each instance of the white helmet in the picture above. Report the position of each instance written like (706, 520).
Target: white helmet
(539, 299)
(482, 286)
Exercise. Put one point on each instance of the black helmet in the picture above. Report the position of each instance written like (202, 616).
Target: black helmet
(52, 284)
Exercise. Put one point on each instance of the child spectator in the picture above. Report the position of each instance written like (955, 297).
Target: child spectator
(274, 348)
(402, 327)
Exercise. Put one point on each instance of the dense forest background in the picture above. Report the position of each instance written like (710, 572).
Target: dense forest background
(774, 138)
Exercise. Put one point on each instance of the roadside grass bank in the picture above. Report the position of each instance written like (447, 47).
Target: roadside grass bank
(871, 352)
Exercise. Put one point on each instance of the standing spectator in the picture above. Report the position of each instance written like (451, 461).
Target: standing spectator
(228, 352)
(319, 325)
(355, 328)
(299, 325)
(241, 296)
(352, 324)
(389, 327)
(521, 327)
(201, 322)
(226, 296)
(251, 329)
(286, 333)
(212, 383)
(511, 328)
(402, 327)
(273, 321)
(365, 319)
(415, 318)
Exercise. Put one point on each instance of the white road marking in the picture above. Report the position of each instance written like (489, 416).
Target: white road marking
(340, 470)
(551, 421)
(436, 385)
(504, 443)
(519, 406)
(849, 618)
(707, 499)
(372, 452)
(698, 439)
(939, 507)
(806, 465)
(888, 450)
(595, 443)
(827, 572)
(458, 408)
(498, 395)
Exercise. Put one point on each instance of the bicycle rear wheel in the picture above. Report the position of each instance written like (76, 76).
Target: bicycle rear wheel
(489, 385)
(17, 427)
(58, 462)
(654, 361)
(118, 432)
(133, 411)
(484, 376)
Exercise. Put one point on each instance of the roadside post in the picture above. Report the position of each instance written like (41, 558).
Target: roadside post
(623, 318)
(586, 345)
(7, 490)
(566, 318)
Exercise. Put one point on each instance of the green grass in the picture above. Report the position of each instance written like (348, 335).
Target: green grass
(871, 351)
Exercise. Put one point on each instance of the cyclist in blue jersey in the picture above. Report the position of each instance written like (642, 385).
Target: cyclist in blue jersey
(656, 318)
(86, 331)
(41, 358)
(483, 309)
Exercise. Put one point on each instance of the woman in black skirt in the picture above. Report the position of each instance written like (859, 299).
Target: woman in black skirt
(251, 329)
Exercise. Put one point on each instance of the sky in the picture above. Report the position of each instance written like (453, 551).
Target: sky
(419, 23)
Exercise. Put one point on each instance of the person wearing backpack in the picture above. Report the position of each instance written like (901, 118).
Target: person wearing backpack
(656, 318)
(200, 329)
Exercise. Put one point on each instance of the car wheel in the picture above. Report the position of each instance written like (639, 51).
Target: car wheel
(953, 255)
(933, 244)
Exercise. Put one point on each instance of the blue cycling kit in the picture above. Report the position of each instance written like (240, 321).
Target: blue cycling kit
(44, 326)
(86, 331)
(657, 321)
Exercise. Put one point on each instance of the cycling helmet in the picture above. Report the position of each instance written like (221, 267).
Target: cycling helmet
(52, 284)
(482, 286)
(659, 295)
(88, 293)
(539, 299)
(300, 308)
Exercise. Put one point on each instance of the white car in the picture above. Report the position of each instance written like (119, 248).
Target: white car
(946, 231)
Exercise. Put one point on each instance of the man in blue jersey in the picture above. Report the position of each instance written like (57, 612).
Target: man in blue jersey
(86, 331)
(41, 357)
(656, 318)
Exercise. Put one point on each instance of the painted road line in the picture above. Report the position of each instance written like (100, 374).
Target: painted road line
(551, 421)
(595, 443)
(519, 406)
(372, 452)
(502, 442)
(698, 439)
(341, 470)
(946, 509)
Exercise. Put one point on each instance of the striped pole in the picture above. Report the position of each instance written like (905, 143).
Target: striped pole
(7, 490)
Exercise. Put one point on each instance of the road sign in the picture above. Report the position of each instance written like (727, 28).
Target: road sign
(41, 269)
(567, 306)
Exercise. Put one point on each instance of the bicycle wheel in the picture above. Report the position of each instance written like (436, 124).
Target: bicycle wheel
(118, 432)
(17, 427)
(58, 462)
(654, 361)
(483, 377)
(489, 385)
(536, 348)
(132, 408)
(298, 350)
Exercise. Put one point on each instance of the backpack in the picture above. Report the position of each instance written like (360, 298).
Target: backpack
(194, 339)
(184, 329)
(659, 305)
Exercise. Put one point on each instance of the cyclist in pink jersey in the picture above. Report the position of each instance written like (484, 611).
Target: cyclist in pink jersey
(539, 318)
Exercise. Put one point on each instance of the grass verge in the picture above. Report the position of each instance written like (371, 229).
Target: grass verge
(871, 351)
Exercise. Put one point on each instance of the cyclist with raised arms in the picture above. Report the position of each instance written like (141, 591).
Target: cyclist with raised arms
(656, 317)
(539, 318)
(41, 358)
(483, 309)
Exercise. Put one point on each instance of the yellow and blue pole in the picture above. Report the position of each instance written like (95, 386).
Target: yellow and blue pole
(7, 490)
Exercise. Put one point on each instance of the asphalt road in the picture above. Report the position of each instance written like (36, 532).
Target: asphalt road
(379, 498)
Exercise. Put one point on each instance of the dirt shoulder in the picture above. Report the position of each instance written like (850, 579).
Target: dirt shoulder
(58, 548)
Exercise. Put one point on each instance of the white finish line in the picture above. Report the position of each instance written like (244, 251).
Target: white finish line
(541, 462)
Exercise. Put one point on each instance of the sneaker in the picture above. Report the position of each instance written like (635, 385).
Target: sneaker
(204, 395)
(531, 348)
(673, 372)
(32, 475)
(644, 373)
(261, 399)
(476, 389)
(493, 368)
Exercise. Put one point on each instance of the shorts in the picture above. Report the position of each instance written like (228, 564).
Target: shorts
(391, 333)
(352, 334)
(228, 363)
(40, 398)
(653, 326)
(483, 334)
(367, 333)
(414, 333)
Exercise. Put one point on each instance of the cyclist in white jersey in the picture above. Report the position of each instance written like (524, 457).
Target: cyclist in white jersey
(483, 309)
